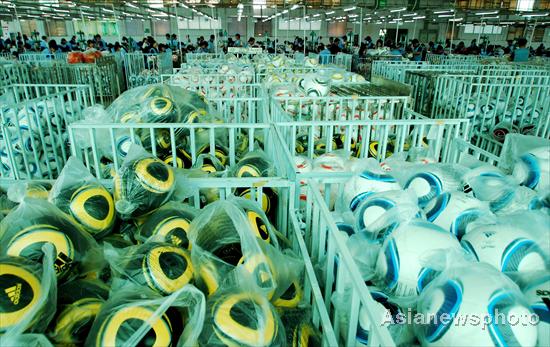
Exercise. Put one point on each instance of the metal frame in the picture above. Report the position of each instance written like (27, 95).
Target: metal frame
(201, 57)
(33, 144)
(144, 68)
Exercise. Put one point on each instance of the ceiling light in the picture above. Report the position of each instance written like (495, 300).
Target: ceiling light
(294, 7)
(350, 8)
(240, 6)
(535, 15)
(353, 15)
(445, 15)
(485, 13)
(330, 12)
(105, 9)
(129, 4)
(316, 15)
(419, 17)
(456, 19)
(410, 14)
(399, 9)
(437, 12)
(286, 11)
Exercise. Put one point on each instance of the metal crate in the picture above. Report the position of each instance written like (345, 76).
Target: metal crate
(378, 105)
(102, 76)
(34, 142)
(201, 57)
(451, 59)
(520, 102)
(144, 68)
(13, 73)
(341, 60)
(40, 57)
(394, 70)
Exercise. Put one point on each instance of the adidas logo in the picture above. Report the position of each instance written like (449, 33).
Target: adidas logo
(14, 293)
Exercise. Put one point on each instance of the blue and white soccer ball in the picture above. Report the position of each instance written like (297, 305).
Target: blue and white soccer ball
(537, 294)
(474, 305)
(430, 181)
(367, 182)
(509, 248)
(400, 267)
(533, 169)
(453, 211)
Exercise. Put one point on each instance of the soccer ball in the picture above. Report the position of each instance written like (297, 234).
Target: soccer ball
(533, 169)
(474, 305)
(399, 266)
(316, 86)
(508, 248)
(367, 182)
(537, 293)
(454, 211)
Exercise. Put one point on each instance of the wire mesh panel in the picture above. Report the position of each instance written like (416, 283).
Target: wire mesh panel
(33, 139)
(496, 105)
(144, 68)
(284, 106)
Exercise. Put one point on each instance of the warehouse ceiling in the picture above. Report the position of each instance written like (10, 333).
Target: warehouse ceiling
(505, 12)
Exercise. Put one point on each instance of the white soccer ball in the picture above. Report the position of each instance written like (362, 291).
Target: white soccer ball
(537, 294)
(316, 86)
(380, 213)
(430, 181)
(367, 182)
(508, 248)
(453, 211)
(474, 305)
(399, 266)
(533, 169)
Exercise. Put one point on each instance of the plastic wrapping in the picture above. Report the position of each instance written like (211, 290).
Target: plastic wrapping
(379, 214)
(6, 205)
(28, 340)
(35, 222)
(453, 211)
(372, 179)
(430, 180)
(142, 184)
(78, 302)
(298, 328)
(163, 267)
(238, 317)
(475, 305)
(400, 267)
(95, 115)
(537, 293)
(517, 145)
(254, 164)
(80, 195)
(29, 292)
(532, 169)
(137, 316)
(501, 192)
(514, 243)
(169, 223)
(30, 189)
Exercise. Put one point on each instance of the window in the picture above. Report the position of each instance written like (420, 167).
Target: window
(337, 29)
(134, 28)
(28, 27)
(199, 23)
(56, 28)
(261, 28)
(161, 28)
(482, 29)
(525, 5)
(300, 24)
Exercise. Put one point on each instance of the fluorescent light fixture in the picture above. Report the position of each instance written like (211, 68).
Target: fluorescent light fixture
(438, 12)
(419, 17)
(129, 4)
(329, 12)
(286, 11)
(368, 18)
(316, 15)
(493, 17)
(160, 15)
(409, 21)
(445, 15)
(486, 13)
(456, 19)
(535, 15)
(350, 9)
(104, 9)
(409, 14)
(294, 7)
(353, 15)
(399, 9)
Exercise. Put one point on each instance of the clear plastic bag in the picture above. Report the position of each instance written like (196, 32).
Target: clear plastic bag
(142, 184)
(78, 303)
(163, 267)
(30, 290)
(28, 340)
(169, 223)
(298, 327)
(240, 317)
(81, 196)
(532, 168)
(31, 189)
(379, 214)
(254, 164)
(400, 269)
(515, 243)
(473, 304)
(135, 315)
(35, 222)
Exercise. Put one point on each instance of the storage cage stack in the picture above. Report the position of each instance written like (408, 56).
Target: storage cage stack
(226, 159)
(34, 141)
(102, 75)
(146, 68)
(496, 105)
(325, 150)
(394, 70)
(341, 60)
